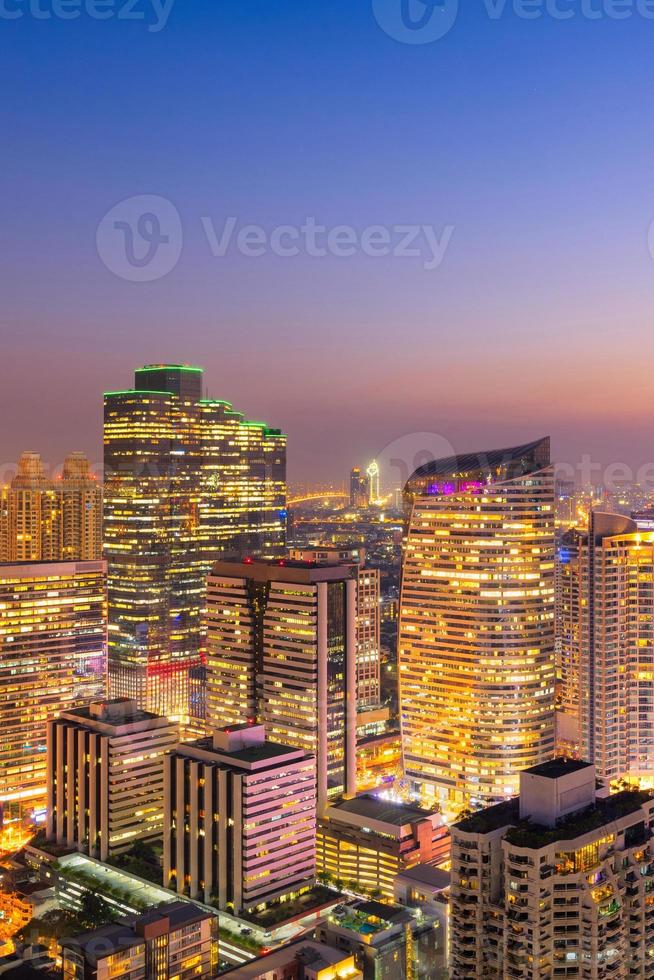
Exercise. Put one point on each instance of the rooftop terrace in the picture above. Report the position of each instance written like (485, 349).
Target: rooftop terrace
(525, 833)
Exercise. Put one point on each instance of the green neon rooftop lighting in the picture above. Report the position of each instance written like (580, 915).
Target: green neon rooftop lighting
(170, 367)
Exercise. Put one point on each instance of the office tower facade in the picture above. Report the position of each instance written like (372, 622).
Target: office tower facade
(359, 488)
(557, 883)
(42, 519)
(281, 649)
(607, 646)
(240, 819)
(187, 480)
(476, 635)
(53, 657)
(178, 941)
(105, 776)
(368, 614)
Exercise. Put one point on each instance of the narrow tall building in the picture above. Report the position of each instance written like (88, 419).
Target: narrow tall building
(476, 638)
(188, 480)
(53, 635)
(240, 819)
(607, 646)
(282, 651)
(568, 621)
(44, 519)
(105, 776)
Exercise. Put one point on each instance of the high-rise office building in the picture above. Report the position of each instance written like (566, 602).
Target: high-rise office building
(43, 519)
(240, 823)
(53, 634)
(606, 656)
(105, 776)
(281, 649)
(557, 883)
(476, 642)
(368, 614)
(187, 481)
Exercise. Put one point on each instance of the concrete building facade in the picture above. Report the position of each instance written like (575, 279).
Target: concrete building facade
(556, 883)
(106, 776)
(240, 819)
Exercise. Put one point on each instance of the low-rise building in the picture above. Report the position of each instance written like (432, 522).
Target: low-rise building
(364, 843)
(303, 960)
(105, 776)
(240, 819)
(176, 942)
(379, 760)
(388, 941)
(556, 883)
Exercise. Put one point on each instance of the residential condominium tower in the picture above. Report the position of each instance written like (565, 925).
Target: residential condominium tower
(557, 883)
(53, 635)
(281, 650)
(187, 481)
(607, 660)
(44, 519)
(476, 636)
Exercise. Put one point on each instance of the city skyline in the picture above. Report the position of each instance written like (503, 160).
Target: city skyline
(327, 490)
(588, 452)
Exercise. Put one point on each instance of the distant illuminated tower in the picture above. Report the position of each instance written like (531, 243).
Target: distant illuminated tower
(51, 520)
(476, 642)
(33, 513)
(359, 489)
(373, 478)
(187, 480)
(81, 510)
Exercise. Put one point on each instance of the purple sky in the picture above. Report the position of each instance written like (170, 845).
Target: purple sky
(533, 139)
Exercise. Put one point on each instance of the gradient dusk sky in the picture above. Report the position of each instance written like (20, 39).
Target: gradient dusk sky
(533, 138)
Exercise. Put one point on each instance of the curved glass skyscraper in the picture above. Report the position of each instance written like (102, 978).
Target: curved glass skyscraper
(476, 641)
